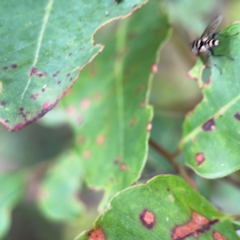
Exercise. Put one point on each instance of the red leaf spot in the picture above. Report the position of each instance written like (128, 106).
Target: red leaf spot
(87, 154)
(85, 103)
(209, 125)
(97, 234)
(123, 166)
(14, 65)
(40, 74)
(100, 140)
(154, 68)
(133, 121)
(218, 236)
(5, 68)
(237, 116)
(199, 158)
(147, 218)
(198, 224)
(149, 126)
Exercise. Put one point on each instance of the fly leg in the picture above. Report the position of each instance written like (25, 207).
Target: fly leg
(220, 55)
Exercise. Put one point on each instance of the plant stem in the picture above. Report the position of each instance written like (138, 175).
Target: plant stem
(170, 157)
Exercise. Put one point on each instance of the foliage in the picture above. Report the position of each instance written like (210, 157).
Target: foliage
(78, 163)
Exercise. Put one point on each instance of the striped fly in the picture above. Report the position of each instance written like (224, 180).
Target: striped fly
(203, 47)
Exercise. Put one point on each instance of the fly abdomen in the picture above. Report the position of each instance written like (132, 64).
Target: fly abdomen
(212, 43)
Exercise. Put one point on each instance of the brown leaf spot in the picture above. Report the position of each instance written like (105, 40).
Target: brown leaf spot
(237, 116)
(142, 104)
(154, 68)
(198, 224)
(140, 88)
(133, 121)
(100, 140)
(199, 158)
(123, 166)
(85, 103)
(97, 96)
(171, 197)
(97, 234)
(87, 154)
(117, 160)
(147, 218)
(218, 236)
(209, 125)
(149, 126)
(81, 139)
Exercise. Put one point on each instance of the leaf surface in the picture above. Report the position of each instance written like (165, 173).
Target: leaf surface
(44, 45)
(211, 132)
(165, 208)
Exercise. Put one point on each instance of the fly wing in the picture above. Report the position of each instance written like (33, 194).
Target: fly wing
(211, 28)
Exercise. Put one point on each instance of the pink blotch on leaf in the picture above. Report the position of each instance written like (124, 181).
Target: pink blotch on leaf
(96, 234)
(154, 68)
(123, 166)
(87, 154)
(100, 139)
(85, 103)
(71, 111)
(147, 218)
(199, 158)
(149, 126)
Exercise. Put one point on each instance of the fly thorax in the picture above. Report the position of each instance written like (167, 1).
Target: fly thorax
(203, 48)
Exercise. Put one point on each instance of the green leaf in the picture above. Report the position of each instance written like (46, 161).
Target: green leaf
(108, 107)
(11, 190)
(166, 207)
(211, 131)
(44, 45)
(58, 191)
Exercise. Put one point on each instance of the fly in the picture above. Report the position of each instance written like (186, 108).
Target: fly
(203, 47)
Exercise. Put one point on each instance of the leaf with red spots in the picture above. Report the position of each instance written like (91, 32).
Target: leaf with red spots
(44, 45)
(211, 132)
(58, 190)
(11, 191)
(108, 106)
(166, 207)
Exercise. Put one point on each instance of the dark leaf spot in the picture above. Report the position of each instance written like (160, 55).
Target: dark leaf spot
(199, 158)
(14, 65)
(117, 160)
(3, 103)
(237, 116)
(32, 71)
(147, 218)
(70, 54)
(209, 125)
(68, 75)
(5, 68)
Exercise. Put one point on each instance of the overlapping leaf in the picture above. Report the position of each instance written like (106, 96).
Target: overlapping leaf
(212, 131)
(159, 210)
(44, 44)
(107, 106)
(11, 190)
